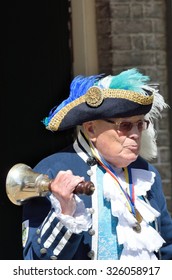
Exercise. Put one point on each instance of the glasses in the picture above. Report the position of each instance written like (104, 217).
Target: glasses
(127, 126)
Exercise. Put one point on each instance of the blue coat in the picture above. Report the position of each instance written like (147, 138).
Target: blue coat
(38, 212)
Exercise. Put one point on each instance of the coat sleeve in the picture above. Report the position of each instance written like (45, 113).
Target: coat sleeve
(44, 236)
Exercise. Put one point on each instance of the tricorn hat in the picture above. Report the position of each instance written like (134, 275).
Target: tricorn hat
(100, 97)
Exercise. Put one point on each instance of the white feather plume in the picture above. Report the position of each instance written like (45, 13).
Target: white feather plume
(149, 145)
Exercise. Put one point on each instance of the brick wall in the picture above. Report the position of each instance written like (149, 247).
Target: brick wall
(132, 33)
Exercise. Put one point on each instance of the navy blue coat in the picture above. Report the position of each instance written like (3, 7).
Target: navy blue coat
(78, 246)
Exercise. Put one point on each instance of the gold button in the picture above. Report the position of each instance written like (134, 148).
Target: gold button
(90, 172)
(53, 258)
(39, 240)
(91, 254)
(91, 231)
(91, 210)
(38, 231)
(94, 96)
(43, 251)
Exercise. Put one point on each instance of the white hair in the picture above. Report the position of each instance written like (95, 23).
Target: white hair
(148, 148)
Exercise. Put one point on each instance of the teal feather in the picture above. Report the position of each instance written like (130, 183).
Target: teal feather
(129, 80)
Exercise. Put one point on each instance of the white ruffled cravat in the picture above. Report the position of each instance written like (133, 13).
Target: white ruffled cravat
(135, 245)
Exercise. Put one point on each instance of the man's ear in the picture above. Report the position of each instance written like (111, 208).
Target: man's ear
(89, 129)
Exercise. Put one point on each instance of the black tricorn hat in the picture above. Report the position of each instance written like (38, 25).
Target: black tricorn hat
(101, 97)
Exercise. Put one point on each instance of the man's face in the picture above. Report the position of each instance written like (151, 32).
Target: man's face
(117, 140)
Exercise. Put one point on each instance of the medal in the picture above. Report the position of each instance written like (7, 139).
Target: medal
(137, 227)
(139, 218)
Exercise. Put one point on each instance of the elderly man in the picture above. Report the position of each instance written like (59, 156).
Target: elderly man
(126, 217)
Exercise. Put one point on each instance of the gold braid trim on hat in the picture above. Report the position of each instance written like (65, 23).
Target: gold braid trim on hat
(94, 97)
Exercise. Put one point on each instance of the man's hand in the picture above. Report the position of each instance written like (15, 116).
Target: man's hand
(63, 187)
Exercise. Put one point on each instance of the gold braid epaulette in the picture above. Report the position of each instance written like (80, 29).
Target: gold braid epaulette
(94, 97)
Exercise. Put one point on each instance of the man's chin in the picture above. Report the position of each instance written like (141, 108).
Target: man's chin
(133, 157)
